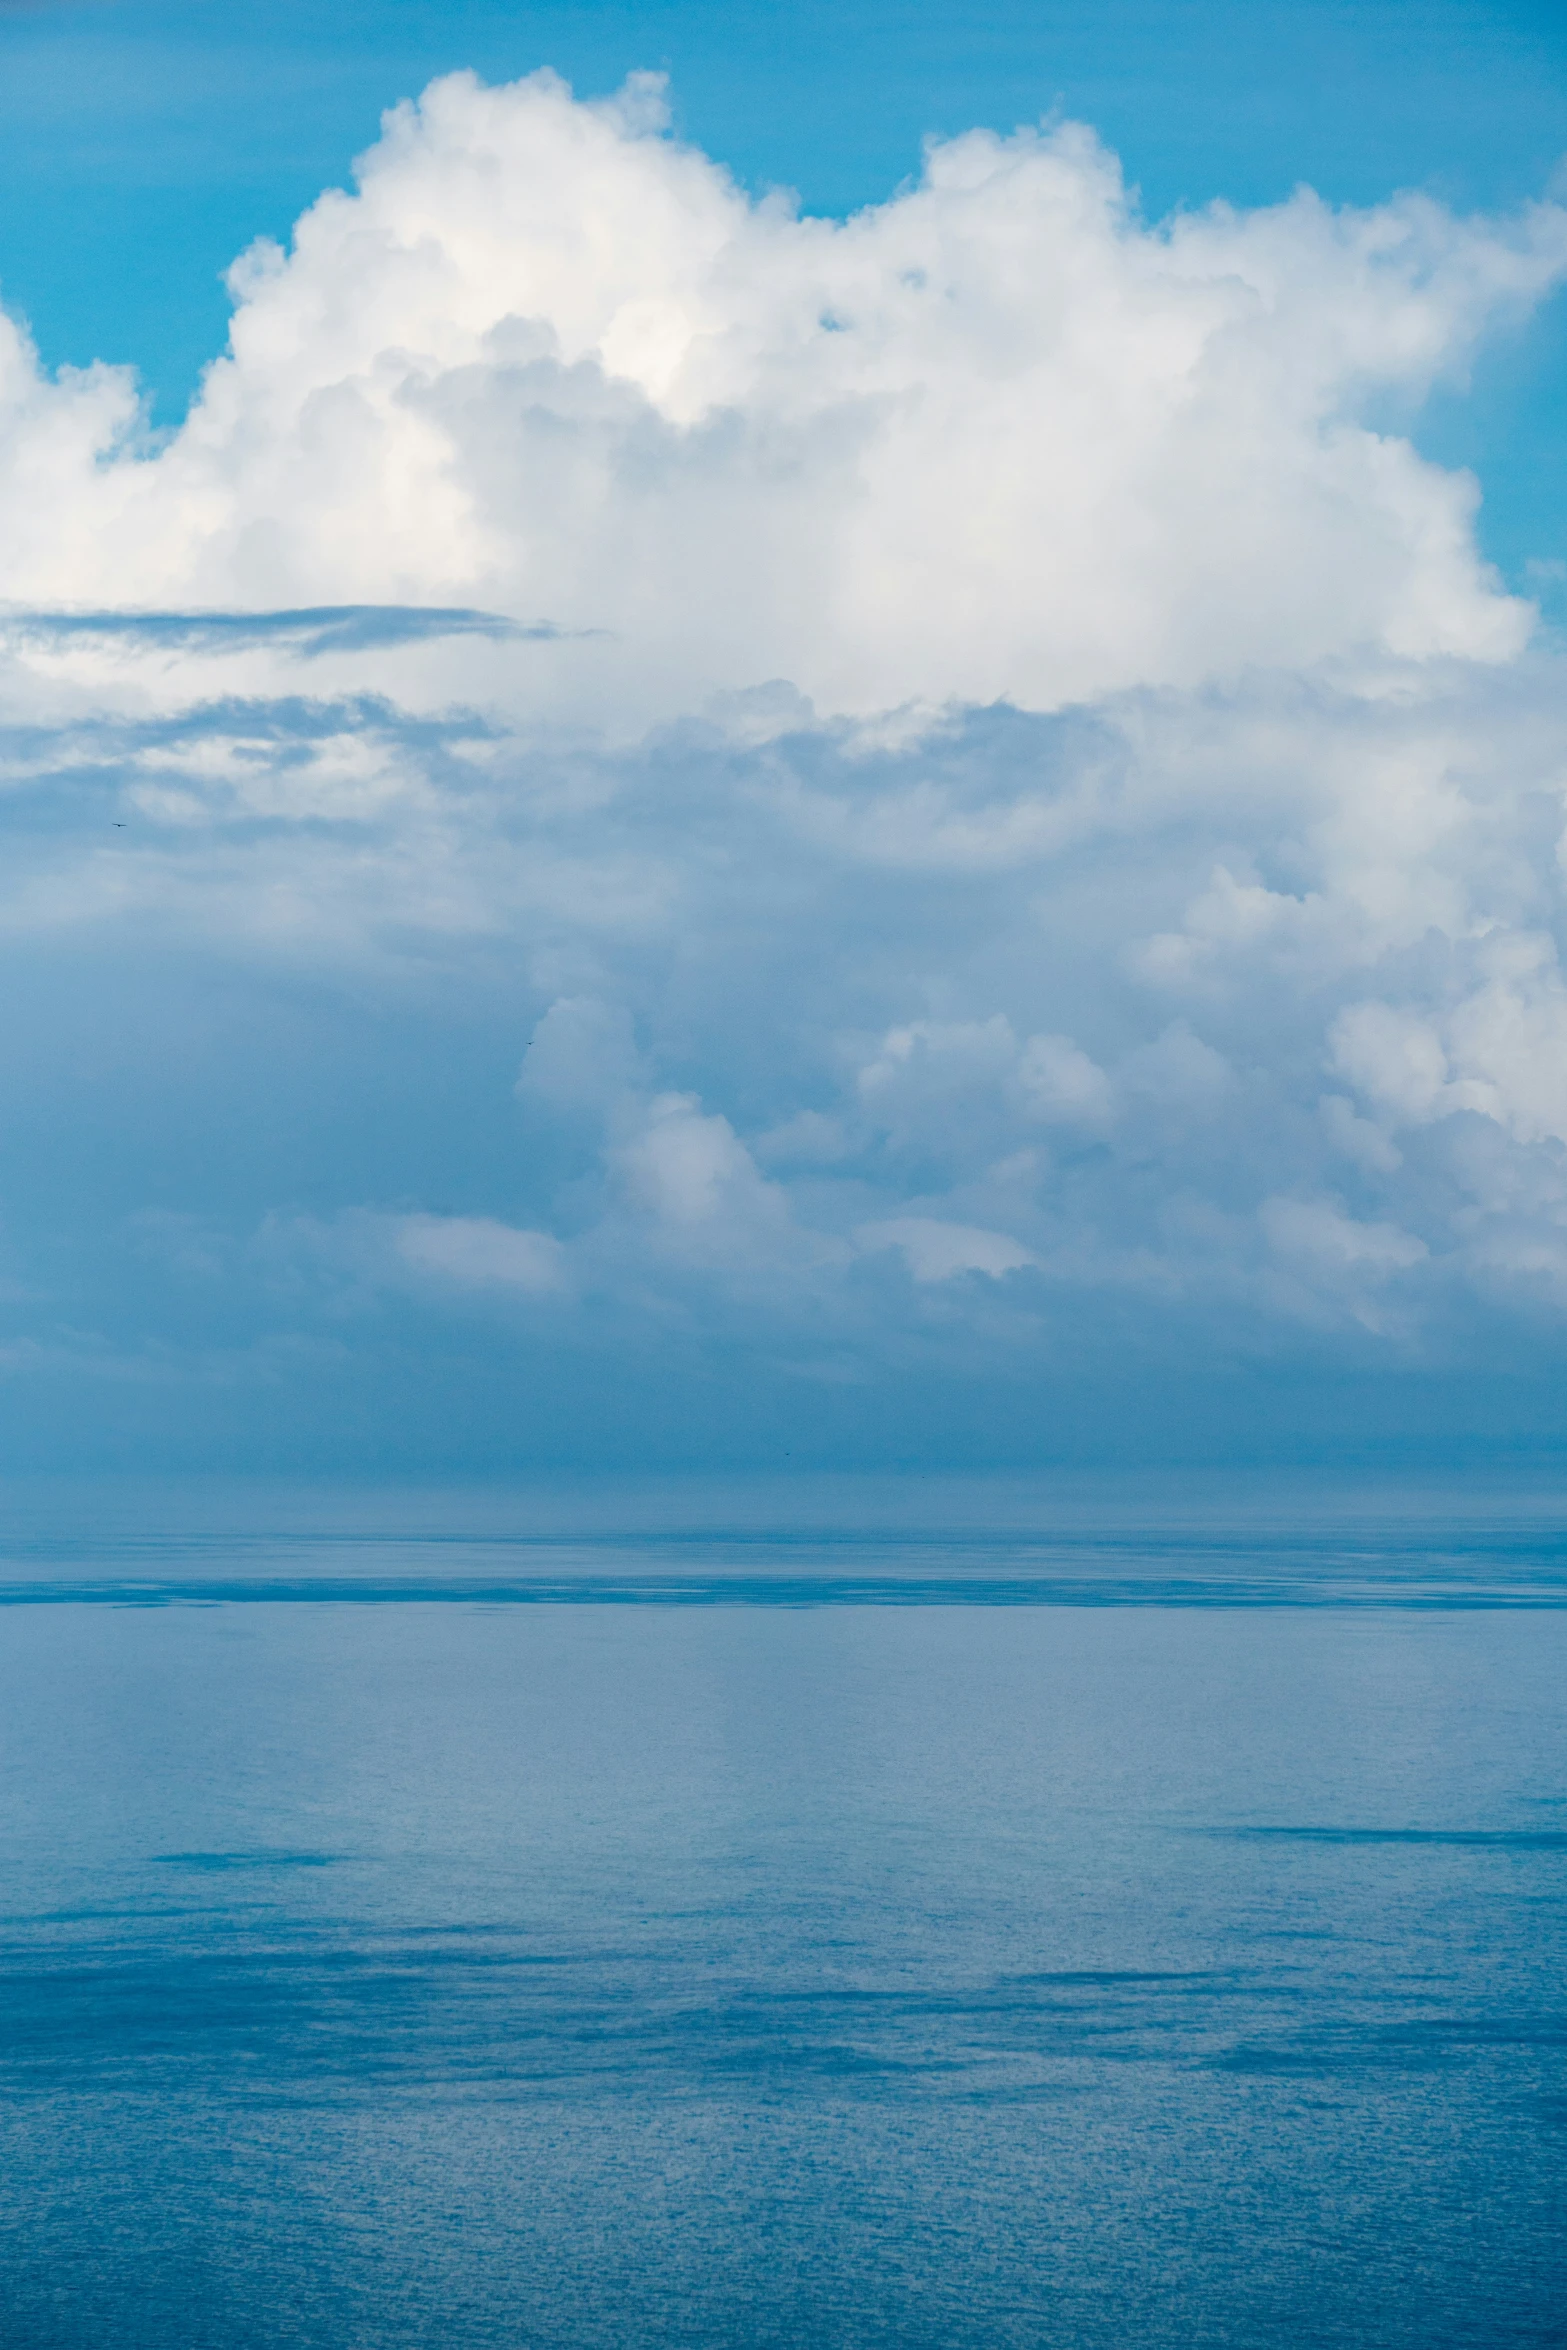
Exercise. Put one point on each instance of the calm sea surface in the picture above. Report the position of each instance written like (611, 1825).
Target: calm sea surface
(933, 1917)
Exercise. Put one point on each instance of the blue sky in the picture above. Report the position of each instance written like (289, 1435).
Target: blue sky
(663, 832)
(145, 146)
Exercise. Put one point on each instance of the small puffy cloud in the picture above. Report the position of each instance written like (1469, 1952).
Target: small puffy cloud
(938, 1251)
(930, 1080)
(1323, 1234)
(1499, 1051)
(686, 1189)
(1062, 1085)
(583, 1057)
(934, 1081)
(1396, 1059)
(1337, 1262)
(688, 1169)
(1177, 1070)
(1509, 1042)
(476, 1252)
(1358, 1138)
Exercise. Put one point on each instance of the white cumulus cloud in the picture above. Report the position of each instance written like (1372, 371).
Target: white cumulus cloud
(479, 1253)
(998, 437)
(938, 1251)
(934, 789)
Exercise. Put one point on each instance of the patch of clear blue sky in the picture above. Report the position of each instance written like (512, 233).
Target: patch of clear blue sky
(143, 143)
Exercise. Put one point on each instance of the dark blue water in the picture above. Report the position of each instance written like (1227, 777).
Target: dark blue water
(1041, 1929)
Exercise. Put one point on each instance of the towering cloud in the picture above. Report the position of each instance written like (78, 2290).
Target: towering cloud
(971, 784)
(997, 438)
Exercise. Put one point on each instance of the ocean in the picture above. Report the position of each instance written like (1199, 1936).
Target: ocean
(940, 1916)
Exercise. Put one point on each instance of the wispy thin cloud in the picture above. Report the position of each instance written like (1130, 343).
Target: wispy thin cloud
(307, 632)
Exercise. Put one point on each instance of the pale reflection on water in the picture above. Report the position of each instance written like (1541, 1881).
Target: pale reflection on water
(493, 1933)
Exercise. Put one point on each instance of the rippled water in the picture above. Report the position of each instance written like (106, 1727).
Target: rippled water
(1060, 1926)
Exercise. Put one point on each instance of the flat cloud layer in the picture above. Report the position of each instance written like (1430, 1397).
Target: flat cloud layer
(651, 791)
